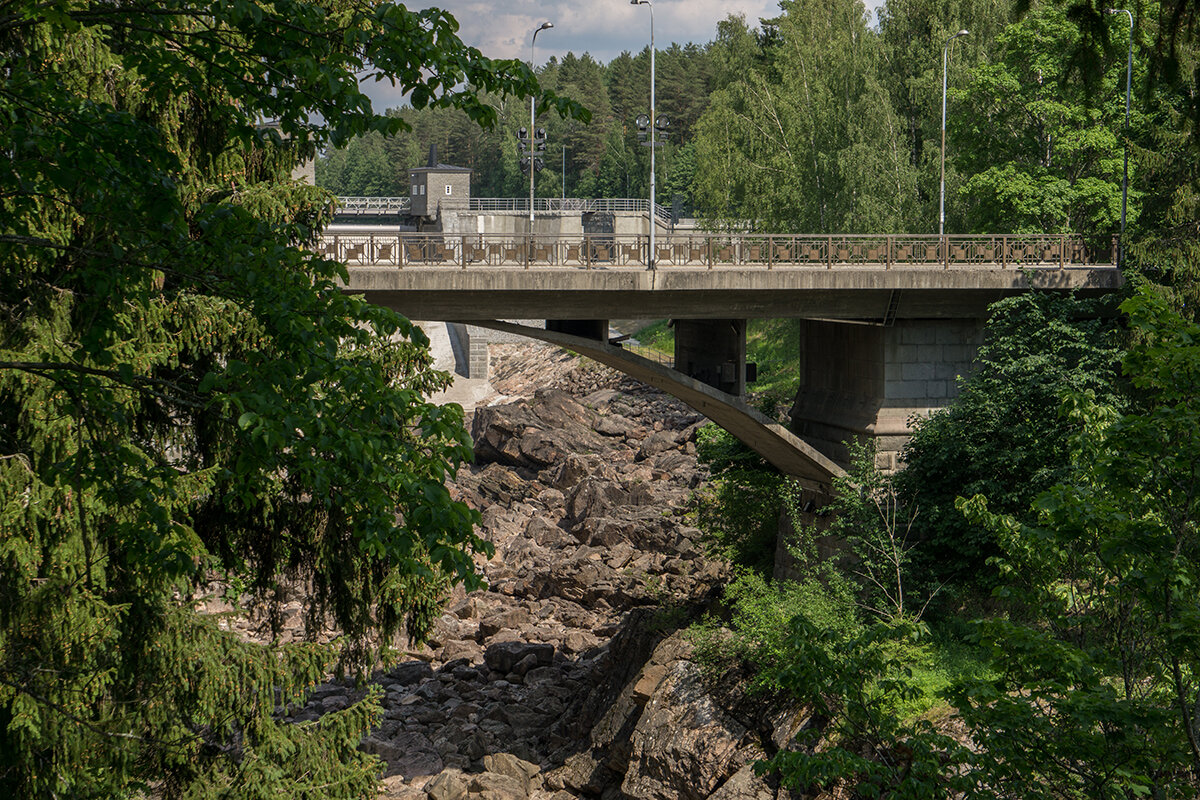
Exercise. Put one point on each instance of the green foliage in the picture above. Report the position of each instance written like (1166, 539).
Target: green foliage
(868, 514)
(861, 741)
(1003, 436)
(187, 395)
(1107, 671)
(740, 508)
(1037, 152)
(808, 120)
(760, 613)
(658, 335)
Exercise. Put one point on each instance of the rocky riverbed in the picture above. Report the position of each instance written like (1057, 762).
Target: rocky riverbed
(569, 677)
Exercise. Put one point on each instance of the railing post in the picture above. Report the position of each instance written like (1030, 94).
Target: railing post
(888, 257)
(770, 252)
(945, 251)
(528, 249)
(710, 251)
(463, 252)
(1062, 250)
(1004, 251)
(828, 252)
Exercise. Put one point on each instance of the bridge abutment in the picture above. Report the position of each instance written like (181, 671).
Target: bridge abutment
(860, 380)
(713, 351)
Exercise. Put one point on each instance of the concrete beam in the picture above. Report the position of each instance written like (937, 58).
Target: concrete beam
(438, 293)
(780, 447)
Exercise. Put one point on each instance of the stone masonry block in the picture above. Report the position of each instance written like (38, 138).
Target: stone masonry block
(477, 366)
(944, 370)
(908, 389)
(892, 444)
(917, 334)
(920, 371)
(930, 352)
(892, 372)
(906, 352)
(936, 390)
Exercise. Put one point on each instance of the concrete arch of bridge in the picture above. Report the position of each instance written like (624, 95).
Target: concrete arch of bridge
(775, 443)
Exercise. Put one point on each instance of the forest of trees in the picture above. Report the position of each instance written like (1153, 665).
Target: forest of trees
(824, 120)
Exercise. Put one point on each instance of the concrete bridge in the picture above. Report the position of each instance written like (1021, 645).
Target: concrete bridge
(890, 321)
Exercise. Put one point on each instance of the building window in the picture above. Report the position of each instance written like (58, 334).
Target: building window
(447, 189)
(414, 191)
(422, 189)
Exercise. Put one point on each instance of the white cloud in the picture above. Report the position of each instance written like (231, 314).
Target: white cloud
(603, 28)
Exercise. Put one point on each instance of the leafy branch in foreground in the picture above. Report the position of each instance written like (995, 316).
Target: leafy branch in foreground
(187, 395)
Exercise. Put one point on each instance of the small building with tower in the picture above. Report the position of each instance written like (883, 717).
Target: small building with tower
(438, 187)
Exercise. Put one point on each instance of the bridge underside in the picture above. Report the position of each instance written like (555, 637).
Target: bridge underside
(775, 443)
(860, 293)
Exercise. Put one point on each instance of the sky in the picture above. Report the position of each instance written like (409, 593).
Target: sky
(604, 28)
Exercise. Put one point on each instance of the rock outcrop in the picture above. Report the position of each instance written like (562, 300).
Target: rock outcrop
(568, 677)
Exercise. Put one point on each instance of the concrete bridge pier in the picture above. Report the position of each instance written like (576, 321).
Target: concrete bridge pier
(595, 329)
(860, 380)
(713, 351)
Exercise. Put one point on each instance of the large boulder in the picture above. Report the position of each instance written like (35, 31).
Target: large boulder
(536, 434)
(503, 656)
(684, 746)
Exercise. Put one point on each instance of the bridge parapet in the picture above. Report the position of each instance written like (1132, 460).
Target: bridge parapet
(711, 251)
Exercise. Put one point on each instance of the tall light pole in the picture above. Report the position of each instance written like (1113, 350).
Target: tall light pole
(942, 203)
(653, 221)
(1125, 174)
(532, 157)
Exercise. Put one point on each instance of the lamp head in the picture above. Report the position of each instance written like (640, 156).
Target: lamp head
(963, 32)
(639, 2)
(546, 25)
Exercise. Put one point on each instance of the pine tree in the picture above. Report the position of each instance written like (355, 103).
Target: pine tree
(185, 393)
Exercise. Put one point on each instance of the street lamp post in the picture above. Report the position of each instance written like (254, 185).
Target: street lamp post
(653, 221)
(1125, 174)
(942, 202)
(532, 44)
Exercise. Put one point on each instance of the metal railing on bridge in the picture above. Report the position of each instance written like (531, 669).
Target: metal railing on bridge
(716, 251)
(374, 205)
(401, 205)
(628, 205)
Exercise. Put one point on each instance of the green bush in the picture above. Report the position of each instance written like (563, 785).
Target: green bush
(760, 612)
(739, 509)
(1003, 436)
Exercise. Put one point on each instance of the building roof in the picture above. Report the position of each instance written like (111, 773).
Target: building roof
(436, 166)
(441, 168)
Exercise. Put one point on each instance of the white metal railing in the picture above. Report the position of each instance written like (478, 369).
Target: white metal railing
(635, 205)
(707, 250)
(394, 205)
(374, 205)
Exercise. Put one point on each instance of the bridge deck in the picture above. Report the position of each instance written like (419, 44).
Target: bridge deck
(711, 276)
(767, 251)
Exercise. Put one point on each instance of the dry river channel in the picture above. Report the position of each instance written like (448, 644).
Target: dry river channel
(570, 676)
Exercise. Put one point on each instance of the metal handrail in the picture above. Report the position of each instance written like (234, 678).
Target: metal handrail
(515, 205)
(360, 204)
(715, 251)
(636, 205)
